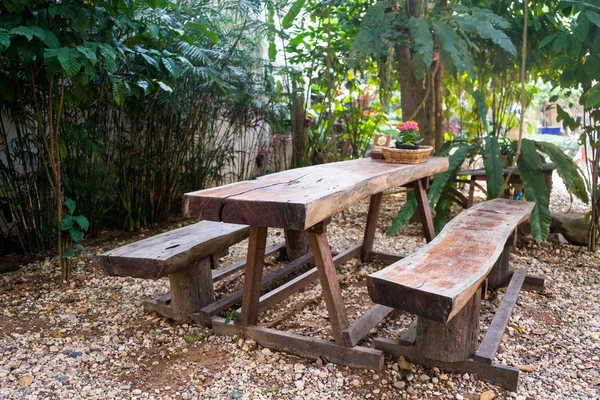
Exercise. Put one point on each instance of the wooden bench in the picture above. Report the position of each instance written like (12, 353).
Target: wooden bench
(187, 256)
(442, 284)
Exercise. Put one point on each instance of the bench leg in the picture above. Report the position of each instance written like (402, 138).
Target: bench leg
(191, 290)
(424, 210)
(296, 244)
(257, 245)
(500, 274)
(455, 341)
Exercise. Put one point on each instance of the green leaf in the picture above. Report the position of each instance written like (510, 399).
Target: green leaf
(66, 223)
(109, 57)
(567, 170)
(81, 248)
(482, 109)
(4, 38)
(404, 214)
(534, 184)
(119, 93)
(82, 222)
(69, 253)
(192, 338)
(493, 167)
(22, 31)
(70, 204)
(560, 42)
(422, 40)
(453, 48)
(50, 39)
(548, 39)
(88, 53)
(213, 36)
(594, 17)
(69, 60)
(455, 161)
(172, 67)
(592, 99)
(292, 13)
(76, 234)
(150, 60)
(165, 87)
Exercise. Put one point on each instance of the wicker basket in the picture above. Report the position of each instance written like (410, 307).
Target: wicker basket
(405, 156)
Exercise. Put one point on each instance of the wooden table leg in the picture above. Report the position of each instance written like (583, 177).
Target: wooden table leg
(471, 192)
(374, 206)
(424, 210)
(253, 275)
(330, 284)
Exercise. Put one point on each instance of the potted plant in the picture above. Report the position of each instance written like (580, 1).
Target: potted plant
(409, 137)
(408, 150)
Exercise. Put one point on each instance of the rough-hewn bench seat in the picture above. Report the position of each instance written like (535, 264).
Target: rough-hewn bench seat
(184, 255)
(442, 285)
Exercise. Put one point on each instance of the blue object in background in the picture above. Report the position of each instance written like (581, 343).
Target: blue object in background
(518, 196)
(550, 130)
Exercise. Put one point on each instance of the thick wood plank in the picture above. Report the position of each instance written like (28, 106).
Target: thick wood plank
(439, 279)
(498, 374)
(361, 327)
(172, 251)
(223, 272)
(409, 335)
(372, 215)
(332, 292)
(424, 210)
(300, 198)
(267, 281)
(253, 276)
(313, 348)
(284, 291)
(191, 289)
(296, 243)
(491, 341)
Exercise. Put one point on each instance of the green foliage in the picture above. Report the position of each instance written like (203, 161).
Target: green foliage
(493, 167)
(76, 226)
(410, 138)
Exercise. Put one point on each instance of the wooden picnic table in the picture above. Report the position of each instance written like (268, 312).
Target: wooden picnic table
(304, 199)
(515, 179)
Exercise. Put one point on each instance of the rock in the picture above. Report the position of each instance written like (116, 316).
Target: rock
(75, 354)
(399, 384)
(403, 364)
(25, 381)
(572, 226)
(557, 238)
(444, 377)
(299, 385)
(527, 368)
(458, 396)
(489, 395)
(410, 390)
(266, 352)
(424, 378)
(355, 383)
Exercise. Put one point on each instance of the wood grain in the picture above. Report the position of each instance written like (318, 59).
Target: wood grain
(172, 251)
(300, 198)
(372, 215)
(252, 279)
(438, 280)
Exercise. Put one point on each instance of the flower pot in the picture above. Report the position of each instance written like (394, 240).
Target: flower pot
(407, 156)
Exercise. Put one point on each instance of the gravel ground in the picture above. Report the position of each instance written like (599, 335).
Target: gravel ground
(91, 339)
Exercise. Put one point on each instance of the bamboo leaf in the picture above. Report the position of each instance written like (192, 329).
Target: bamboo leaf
(493, 166)
(292, 13)
(404, 214)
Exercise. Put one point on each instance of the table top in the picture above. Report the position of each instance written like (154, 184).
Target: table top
(481, 171)
(300, 198)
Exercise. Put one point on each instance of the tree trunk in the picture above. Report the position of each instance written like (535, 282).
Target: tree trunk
(439, 106)
(299, 133)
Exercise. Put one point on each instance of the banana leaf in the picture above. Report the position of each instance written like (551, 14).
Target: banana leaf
(493, 167)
